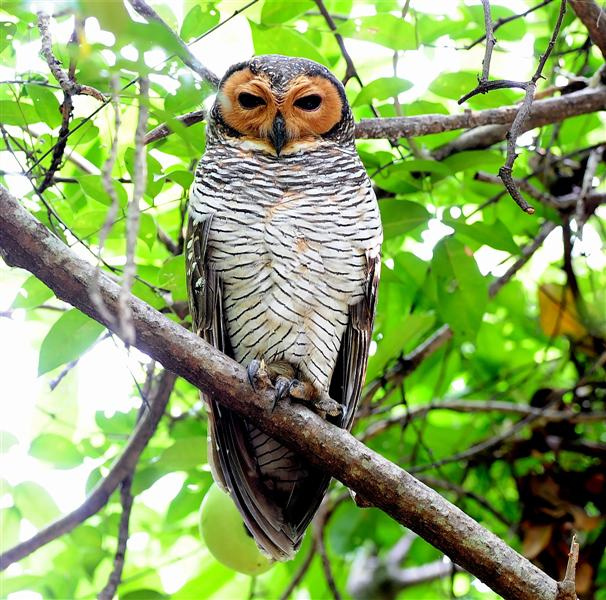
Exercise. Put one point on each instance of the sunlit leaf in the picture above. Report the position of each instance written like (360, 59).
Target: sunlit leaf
(381, 89)
(386, 29)
(32, 293)
(34, 503)
(56, 450)
(279, 40)
(462, 290)
(70, 336)
(400, 216)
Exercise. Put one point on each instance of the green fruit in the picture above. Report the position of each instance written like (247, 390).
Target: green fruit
(225, 535)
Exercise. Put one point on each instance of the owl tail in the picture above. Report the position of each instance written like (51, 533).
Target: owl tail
(276, 492)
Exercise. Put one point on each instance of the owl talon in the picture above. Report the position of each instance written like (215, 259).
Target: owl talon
(327, 406)
(282, 386)
(257, 374)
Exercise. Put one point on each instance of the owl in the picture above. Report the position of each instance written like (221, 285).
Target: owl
(283, 260)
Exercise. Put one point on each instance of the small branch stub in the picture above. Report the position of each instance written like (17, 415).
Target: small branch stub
(567, 587)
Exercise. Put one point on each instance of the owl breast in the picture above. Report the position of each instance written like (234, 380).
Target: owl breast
(290, 239)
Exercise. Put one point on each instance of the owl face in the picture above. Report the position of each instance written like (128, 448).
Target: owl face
(282, 105)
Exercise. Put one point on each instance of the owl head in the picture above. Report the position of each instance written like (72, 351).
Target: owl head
(281, 105)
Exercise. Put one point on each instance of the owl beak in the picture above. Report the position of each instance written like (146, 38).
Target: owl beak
(278, 135)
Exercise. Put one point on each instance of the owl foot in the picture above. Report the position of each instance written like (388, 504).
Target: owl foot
(305, 392)
(258, 375)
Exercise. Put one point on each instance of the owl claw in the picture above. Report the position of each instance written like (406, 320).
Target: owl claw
(282, 386)
(257, 374)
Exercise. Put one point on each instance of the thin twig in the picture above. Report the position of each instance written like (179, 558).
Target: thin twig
(108, 186)
(164, 129)
(319, 526)
(99, 497)
(67, 82)
(478, 448)
(298, 576)
(479, 406)
(126, 499)
(490, 41)
(351, 71)
(505, 172)
(560, 203)
(132, 223)
(68, 85)
(504, 20)
(526, 253)
(567, 587)
(185, 54)
(135, 79)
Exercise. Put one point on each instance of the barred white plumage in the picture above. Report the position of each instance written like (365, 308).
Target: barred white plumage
(283, 264)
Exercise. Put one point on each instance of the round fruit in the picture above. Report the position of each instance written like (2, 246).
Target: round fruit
(225, 535)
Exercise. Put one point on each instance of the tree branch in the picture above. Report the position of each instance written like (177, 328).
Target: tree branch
(542, 112)
(126, 498)
(475, 406)
(594, 18)
(185, 54)
(26, 243)
(121, 468)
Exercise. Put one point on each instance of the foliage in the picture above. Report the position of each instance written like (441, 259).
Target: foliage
(448, 236)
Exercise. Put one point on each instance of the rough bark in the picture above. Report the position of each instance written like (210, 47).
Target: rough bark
(594, 18)
(494, 120)
(542, 112)
(26, 243)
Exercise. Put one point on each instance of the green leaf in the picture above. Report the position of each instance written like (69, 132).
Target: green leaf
(7, 33)
(120, 423)
(144, 594)
(386, 29)
(147, 229)
(32, 293)
(454, 85)
(184, 454)
(10, 519)
(92, 186)
(474, 160)
(70, 336)
(495, 234)
(275, 12)
(155, 180)
(7, 441)
(18, 113)
(382, 89)
(46, 104)
(180, 177)
(35, 504)
(400, 216)
(462, 290)
(172, 277)
(56, 450)
(279, 40)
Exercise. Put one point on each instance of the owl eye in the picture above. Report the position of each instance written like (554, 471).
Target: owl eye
(311, 102)
(249, 101)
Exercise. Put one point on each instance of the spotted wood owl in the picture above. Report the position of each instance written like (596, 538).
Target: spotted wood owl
(283, 259)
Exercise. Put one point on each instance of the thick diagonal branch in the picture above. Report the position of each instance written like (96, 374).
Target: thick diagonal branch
(26, 243)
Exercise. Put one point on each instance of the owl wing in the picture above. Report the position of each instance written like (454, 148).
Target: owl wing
(350, 371)
(277, 527)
